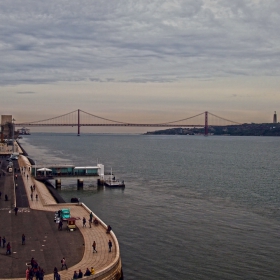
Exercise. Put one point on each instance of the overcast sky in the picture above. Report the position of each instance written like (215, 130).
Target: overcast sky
(140, 60)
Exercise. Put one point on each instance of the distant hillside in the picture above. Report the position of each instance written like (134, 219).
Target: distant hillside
(253, 129)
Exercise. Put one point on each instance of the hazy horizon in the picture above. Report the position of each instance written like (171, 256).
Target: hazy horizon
(146, 62)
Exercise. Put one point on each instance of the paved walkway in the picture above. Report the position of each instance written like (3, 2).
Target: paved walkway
(99, 261)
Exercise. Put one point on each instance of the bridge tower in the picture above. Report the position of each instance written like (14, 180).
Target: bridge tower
(206, 124)
(275, 117)
(78, 122)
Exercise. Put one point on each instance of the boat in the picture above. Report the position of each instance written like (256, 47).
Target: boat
(112, 182)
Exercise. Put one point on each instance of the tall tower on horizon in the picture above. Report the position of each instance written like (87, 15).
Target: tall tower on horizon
(275, 117)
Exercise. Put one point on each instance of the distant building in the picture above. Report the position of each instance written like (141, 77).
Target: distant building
(7, 126)
(275, 117)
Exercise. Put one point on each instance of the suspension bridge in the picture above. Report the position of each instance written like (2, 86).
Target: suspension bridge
(81, 118)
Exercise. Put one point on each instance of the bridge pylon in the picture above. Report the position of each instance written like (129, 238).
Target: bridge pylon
(79, 125)
(206, 124)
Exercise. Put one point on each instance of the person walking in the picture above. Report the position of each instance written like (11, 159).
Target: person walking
(31, 196)
(23, 239)
(110, 245)
(84, 222)
(63, 264)
(90, 217)
(94, 247)
(3, 241)
(8, 252)
(36, 197)
(16, 210)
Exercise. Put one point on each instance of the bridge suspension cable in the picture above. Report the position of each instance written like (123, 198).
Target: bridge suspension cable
(223, 118)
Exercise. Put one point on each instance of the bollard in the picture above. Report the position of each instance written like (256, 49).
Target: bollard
(58, 183)
(80, 184)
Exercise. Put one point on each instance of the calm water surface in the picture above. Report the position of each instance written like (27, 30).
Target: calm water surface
(193, 207)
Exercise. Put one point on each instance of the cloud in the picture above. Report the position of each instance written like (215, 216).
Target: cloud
(137, 41)
(25, 92)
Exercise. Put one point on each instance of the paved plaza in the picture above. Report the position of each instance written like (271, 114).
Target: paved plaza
(44, 242)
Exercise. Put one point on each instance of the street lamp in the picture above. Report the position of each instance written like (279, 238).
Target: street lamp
(13, 121)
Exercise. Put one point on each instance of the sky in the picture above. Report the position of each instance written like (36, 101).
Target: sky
(140, 61)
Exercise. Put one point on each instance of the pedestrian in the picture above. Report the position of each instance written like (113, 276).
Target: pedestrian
(0, 195)
(23, 239)
(8, 252)
(6, 198)
(57, 276)
(75, 275)
(90, 217)
(36, 197)
(16, 210)
(110, 245)
(4, 241)
(31, 196)
(32, 262)
(31, 273)
(84, 222)
(31, 188)
(87, 273)
(34, 187)
(42, 274)
(94, 247)
(27, 273)
(80, 274)
(60, 224)
(27, 176)
(55, 271)
(16, 176)
(63, 263)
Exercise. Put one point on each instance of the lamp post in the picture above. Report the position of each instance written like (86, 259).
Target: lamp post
(13, 128)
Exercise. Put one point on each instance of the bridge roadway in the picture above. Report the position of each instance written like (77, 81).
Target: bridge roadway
(43, 240)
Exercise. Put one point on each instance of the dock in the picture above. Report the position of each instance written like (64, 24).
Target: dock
(43, 240)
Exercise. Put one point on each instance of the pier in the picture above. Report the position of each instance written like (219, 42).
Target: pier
(43, 240)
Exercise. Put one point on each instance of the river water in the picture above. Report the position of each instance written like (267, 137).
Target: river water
(194, 207)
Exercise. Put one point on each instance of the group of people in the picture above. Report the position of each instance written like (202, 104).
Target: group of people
(3, 244)
(32, 189)
(80, 274)
(90, 221)
(34, 271)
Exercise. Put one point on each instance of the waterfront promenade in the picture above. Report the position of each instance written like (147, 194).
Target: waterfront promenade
(43, 240)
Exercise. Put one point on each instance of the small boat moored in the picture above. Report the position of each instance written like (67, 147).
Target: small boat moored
(111, 182)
